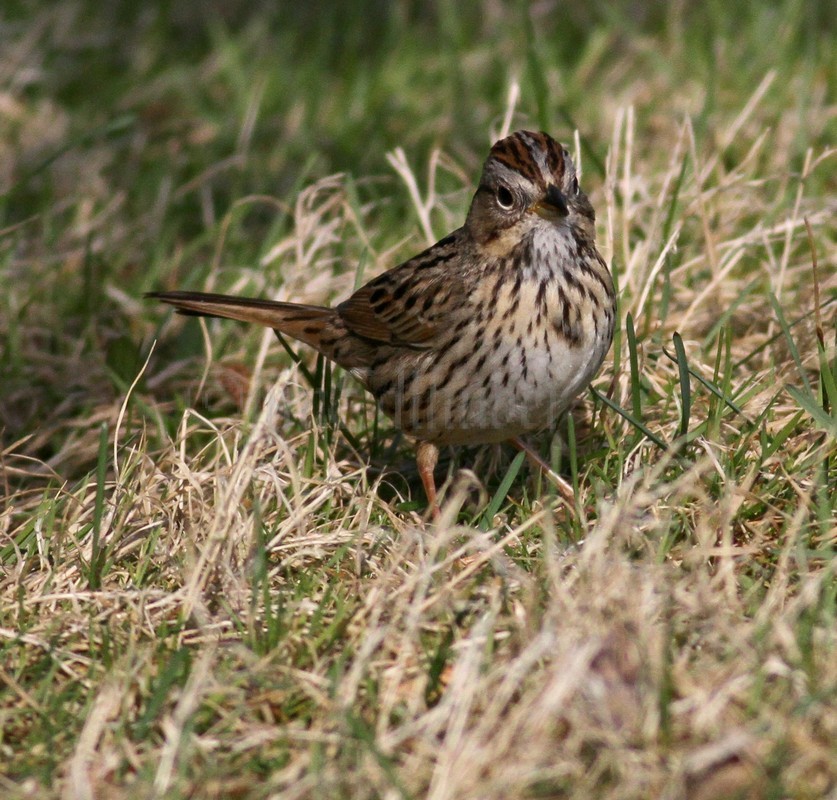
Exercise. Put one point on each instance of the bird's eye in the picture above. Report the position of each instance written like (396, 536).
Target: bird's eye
(505, 199)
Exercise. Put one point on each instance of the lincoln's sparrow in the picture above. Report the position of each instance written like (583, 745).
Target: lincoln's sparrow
(486, 335)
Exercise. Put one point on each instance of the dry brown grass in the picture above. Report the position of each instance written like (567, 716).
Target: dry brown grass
(227, 596)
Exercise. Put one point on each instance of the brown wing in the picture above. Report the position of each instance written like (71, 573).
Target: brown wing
(401, 306)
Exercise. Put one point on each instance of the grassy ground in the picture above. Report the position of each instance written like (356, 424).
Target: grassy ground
(215, 580)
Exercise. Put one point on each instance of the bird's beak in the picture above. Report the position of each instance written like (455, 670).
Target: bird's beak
(553, 206)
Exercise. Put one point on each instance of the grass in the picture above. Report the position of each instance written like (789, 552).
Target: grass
(215, 580)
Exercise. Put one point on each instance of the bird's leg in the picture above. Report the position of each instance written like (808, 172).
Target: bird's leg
(563, 487)
(427, 455)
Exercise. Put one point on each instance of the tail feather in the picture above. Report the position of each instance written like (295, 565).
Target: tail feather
(310, 324)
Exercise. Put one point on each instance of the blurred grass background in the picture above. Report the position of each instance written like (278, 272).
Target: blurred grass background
(129, 134)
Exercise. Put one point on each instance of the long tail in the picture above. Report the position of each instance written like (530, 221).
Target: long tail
(313, 325)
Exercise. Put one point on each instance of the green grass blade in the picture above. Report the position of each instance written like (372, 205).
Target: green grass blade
(636, 389)
(310, 378)
(776, 336)
(668, 225)
(94, 577)
(705, 382)
(500, 495)
(685, 386)
(794, 351)
(828, 379)
(631, 419)
(821, 418)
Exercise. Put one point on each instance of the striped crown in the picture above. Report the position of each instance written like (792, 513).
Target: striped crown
(535, 156)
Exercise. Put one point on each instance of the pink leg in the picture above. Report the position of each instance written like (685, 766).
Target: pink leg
(427, 455)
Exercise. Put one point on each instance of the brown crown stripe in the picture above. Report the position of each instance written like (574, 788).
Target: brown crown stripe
(555, 157)
(517, 153)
